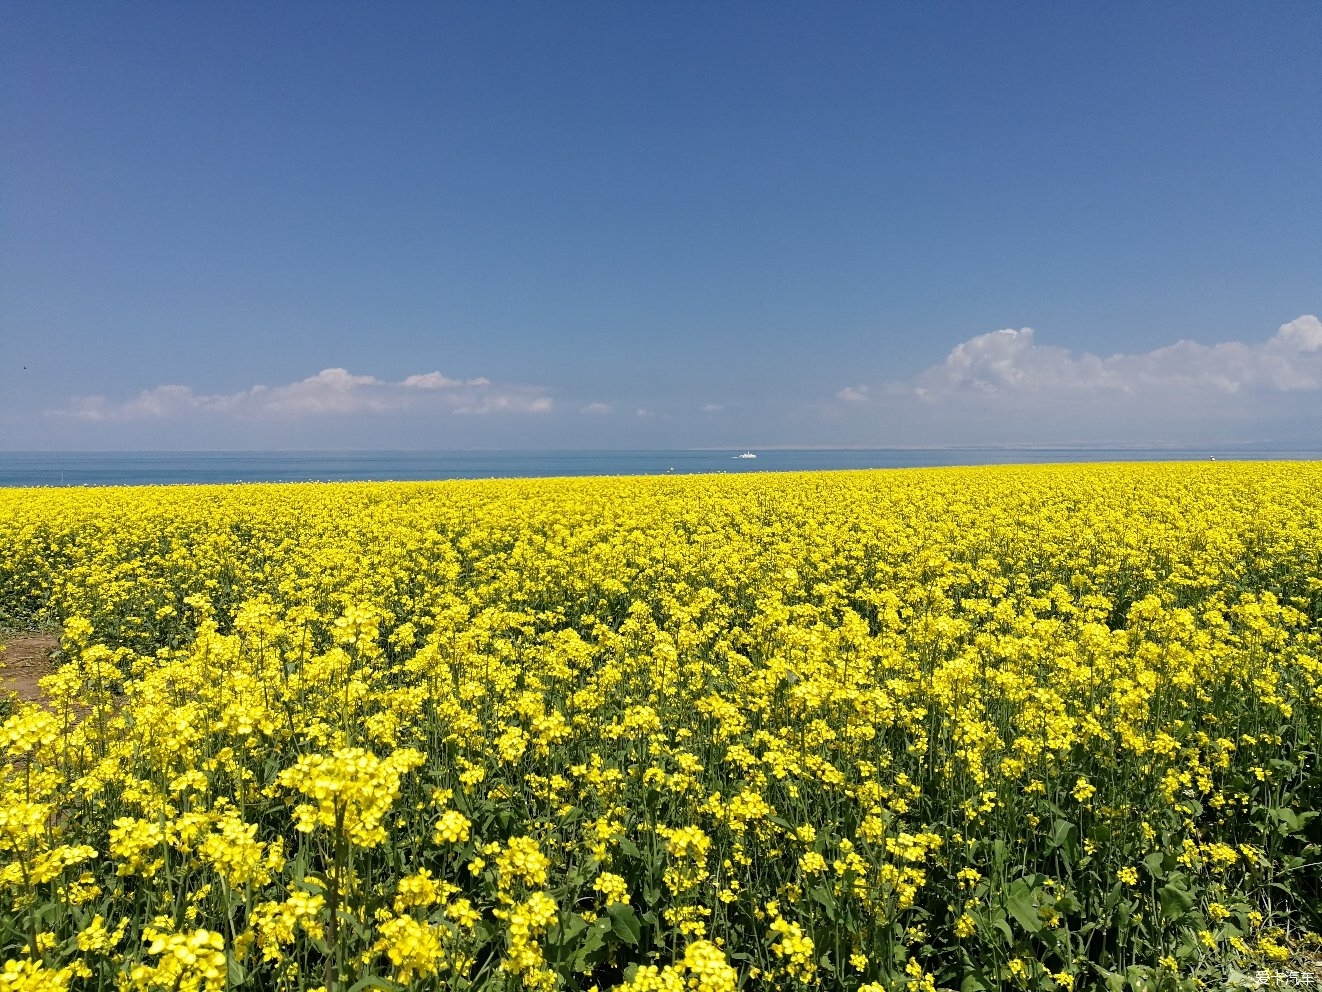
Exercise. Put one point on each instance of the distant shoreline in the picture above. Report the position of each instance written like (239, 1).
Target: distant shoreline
(50, 468)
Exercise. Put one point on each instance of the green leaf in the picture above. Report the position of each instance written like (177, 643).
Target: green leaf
(1127, 908)
(628, 847)
(1065, 836)
(1062, 832)
(1156, 863)
(624, 922)
(374, 982)
(1140, 978)
(823, 895)
(1021, 903)
(1175, 902)
(591, 952)
(1292, 822)
(1112, 897)
(569, 930)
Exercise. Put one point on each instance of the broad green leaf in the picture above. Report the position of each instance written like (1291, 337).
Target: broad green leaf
(374, 982)
(1063, 832)
(591, 952)
(822, 894)
(1175, 902)
(624, 922)
(569, 929)
(237, 974)
(1156, 863)
(1021, 903)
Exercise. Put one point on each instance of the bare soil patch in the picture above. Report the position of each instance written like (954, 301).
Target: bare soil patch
(24, 659)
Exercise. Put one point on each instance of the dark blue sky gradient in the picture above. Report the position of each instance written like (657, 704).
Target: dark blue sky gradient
(658, 206)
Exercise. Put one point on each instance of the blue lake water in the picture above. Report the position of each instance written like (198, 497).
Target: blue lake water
(165, 467)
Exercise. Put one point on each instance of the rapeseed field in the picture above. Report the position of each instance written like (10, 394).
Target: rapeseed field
(1036, 728)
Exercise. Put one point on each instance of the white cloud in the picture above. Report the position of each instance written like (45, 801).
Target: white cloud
(329, 392)
(712, 407)
(1008, 387)
(434, 380)
(596, 409)
(1010, 364)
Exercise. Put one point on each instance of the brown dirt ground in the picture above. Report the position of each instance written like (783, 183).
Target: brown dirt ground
(25, 658)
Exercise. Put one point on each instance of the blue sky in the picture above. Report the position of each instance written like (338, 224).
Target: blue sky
(649, 225)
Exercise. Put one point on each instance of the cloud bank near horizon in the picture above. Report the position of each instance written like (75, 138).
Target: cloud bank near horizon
(1001, 387)
(1006, 386)
(1011, 363)
(331, 392)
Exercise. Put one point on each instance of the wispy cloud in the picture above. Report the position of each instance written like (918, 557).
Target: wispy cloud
(330, 392)
(596, 409)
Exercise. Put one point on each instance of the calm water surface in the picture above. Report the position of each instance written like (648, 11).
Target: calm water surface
(165, 467)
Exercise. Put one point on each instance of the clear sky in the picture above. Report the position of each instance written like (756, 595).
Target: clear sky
(245, 225)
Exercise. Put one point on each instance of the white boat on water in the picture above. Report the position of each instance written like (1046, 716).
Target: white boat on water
(746, 454)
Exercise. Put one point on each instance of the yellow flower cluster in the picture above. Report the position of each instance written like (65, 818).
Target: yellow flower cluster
(612, 887)
(352, 789)
(525, 922)
(1041, 727)
(703, 969)
(188, 962)
(452, 828)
